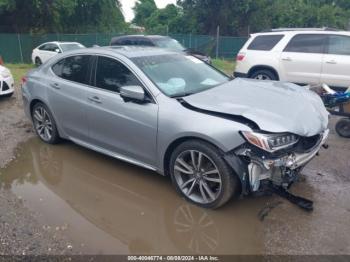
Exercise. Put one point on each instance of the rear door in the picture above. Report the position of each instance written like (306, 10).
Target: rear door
(67, 95)
(336, 61)
(301, 60)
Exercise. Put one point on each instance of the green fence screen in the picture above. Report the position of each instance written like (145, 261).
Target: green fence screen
(17, 48)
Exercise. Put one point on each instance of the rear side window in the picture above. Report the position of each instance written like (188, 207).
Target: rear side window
(265, 42)
(74, 68)
(49, 47)
(339, 45)
(111, 75)
(307, 43)
(57, 68)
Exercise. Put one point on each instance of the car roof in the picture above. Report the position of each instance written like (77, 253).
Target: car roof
(60, 43)
(294, 32)
(127, 51)
(140, 36)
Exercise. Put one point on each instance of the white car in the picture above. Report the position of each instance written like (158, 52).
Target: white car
(48, 50)
(6, 82)
(302, 56)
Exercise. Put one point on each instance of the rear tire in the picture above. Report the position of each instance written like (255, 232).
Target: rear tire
(343, 127)
(201, 175)
(44, 124)
(38, 62)
(263, 74)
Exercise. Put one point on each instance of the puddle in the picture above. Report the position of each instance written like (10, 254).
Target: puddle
(110, 207)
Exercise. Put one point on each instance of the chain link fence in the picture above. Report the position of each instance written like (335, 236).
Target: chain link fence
(17, 48)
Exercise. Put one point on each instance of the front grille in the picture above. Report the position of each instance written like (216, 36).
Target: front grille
(307, 143)
(5, 86)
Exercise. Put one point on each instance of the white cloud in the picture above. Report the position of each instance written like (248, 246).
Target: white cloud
(127, 6)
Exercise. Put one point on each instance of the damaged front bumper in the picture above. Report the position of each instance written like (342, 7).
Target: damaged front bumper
(282, 170)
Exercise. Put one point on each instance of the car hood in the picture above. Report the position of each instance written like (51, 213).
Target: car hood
(274, 106)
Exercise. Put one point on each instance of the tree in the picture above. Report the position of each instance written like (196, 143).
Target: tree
(143, 10)
(238, 17)
(61, 16)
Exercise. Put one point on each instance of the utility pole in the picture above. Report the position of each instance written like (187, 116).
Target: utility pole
(20, 47)
(217, 41)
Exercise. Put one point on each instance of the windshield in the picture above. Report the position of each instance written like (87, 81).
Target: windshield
(68, 47)
(178, 75)
(169, 43)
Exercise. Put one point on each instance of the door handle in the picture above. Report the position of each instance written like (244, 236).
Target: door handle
(332, 62)
(287, 59)
(56, 86)
(95, 99)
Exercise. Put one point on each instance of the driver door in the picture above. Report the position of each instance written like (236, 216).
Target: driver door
(126, 129)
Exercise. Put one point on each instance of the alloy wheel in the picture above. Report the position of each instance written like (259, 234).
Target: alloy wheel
(43, 123)
(197, 176)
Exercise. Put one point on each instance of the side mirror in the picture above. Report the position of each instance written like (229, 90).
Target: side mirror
(57, 50)
(133, 93)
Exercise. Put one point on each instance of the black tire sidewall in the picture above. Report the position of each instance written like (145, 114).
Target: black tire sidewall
(38, 61)
(55, 136)
(268, 73)
(229, 179)
(339, 127)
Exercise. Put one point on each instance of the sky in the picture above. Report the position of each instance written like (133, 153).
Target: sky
(129, 4)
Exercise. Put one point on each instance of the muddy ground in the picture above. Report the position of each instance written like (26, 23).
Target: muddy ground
(65, 199)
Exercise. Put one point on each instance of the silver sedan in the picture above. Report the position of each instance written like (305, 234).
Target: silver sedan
(174, 114)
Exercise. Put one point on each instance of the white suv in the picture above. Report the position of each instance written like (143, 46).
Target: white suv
(302, 56)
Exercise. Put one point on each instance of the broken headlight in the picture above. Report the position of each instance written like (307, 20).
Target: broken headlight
(270, 142)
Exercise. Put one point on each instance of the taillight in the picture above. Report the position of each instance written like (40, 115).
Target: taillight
(1, 61)
(23, 80)
(240, 57)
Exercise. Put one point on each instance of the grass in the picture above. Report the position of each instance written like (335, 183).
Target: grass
(18, 71)
(226, 66)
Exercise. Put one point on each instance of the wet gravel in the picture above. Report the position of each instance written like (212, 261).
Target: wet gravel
(20, 231)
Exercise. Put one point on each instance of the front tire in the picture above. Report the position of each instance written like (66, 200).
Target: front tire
(201, 175)
(44, 124)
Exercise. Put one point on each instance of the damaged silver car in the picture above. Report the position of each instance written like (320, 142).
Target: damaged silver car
(172, 113)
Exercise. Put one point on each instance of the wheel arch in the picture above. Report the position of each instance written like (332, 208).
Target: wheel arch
(263, 67)
(37, 100)
(233, 161)
(171, 147)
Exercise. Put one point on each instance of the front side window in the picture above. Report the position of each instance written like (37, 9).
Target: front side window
(111, 75)
(74, 68)
(169, 43)
(265, 42)
(339, 45)
(179, 75)
(307, 43)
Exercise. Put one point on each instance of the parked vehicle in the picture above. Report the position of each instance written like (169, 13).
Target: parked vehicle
(6, 82)
(45, 51)
(176, 115)
(157, 41)
(337, 103)
(303, 56)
